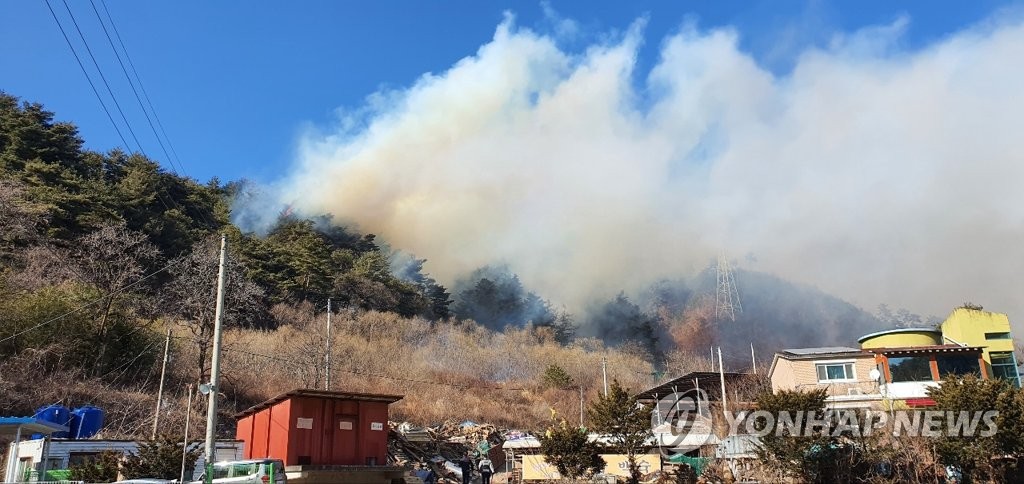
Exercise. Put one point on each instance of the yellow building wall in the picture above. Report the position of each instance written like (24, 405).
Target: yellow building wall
(968, 326)
(901, 340)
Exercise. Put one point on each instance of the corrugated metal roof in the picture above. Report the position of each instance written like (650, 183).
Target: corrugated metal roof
(322, 394)
(821, 351)
(708, 381)
(28, 425)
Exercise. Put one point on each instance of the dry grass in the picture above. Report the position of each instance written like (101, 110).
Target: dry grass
(446, 371)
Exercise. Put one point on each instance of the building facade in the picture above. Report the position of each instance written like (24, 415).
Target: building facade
(988, 331)
(843, 372)
(899, 366)
(62, 454)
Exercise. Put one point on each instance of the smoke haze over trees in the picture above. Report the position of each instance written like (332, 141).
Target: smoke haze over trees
(81, 229)
(868, 169)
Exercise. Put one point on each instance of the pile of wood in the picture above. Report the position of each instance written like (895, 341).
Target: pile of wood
(467, 432)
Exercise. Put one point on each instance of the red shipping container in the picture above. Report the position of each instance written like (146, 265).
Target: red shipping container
(318, 428)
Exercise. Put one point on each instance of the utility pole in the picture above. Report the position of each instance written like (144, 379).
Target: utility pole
(211, 411)
(184, 445)
(721, 375)
(327, 357)
(604, 374)
(696, 385)
(581, 406)
(160, 392)
(753, 360)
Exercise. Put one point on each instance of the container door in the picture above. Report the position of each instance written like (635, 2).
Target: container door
(345, 428)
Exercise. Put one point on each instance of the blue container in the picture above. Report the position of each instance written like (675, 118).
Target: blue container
(86, 421)
(58, 414)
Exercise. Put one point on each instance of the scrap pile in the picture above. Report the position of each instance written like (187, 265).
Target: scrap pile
(468, 432)
(441, 446)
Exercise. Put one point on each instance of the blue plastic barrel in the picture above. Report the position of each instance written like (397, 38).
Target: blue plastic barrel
(58, 414)
(86, 421)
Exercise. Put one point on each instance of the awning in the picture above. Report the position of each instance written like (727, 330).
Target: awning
(29, 425)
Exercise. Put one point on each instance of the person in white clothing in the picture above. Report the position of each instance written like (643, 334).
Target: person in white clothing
(486, 469)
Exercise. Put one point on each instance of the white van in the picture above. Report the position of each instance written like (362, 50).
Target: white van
(254, 471)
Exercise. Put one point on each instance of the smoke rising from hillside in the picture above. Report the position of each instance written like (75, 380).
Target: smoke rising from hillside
(875, 173)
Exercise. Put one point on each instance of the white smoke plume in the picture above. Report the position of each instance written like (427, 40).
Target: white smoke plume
(876, 173)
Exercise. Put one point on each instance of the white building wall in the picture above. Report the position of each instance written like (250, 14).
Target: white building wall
(60, 451)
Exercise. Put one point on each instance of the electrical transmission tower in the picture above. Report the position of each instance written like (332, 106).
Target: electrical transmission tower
(727, 298)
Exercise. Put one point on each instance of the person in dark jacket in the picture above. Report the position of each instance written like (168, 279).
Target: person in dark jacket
(466, 466)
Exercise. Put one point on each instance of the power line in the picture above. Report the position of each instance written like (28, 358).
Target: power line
(104, 78)
(130, 83)
(84, 71)
(160, 198)
(141, 86)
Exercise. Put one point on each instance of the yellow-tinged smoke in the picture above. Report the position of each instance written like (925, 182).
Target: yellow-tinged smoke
(876, 173)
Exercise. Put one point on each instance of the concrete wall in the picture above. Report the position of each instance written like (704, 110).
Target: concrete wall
(969, 327)
(61, 450)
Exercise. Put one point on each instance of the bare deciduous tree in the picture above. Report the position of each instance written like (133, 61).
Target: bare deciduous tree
(110, 259)
(192, 294)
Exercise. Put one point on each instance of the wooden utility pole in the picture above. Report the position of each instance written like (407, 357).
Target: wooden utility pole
(327, 356)
(160, 392)
(581, 406)
(604, 374)
(211, 412)
(753, 361)
(721, 375)
(184, 445)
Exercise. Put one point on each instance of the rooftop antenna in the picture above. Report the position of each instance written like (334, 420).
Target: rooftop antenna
(727, 298)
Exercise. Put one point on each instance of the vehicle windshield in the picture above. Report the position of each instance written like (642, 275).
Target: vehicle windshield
(236, 469)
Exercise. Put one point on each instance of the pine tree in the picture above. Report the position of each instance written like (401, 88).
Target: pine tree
(570, 451)
(104, 468)
(625, 422)
(160, 458)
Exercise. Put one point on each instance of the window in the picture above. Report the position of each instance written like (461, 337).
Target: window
(1005, 366)
(910, 368)
(958, 365)
(236, 470)
(81, 458)
(839, 371)
(997, 335)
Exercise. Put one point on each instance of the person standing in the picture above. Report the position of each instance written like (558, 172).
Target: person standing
(466, 466)
(486, 469)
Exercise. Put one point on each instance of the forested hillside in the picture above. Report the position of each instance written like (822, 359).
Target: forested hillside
(102, 253)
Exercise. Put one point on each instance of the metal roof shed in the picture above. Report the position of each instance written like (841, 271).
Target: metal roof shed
(18, 426)
(318, 428)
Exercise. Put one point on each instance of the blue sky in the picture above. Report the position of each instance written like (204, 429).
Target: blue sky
(235, 83)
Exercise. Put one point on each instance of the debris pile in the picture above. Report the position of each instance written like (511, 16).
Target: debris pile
(441, 446)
